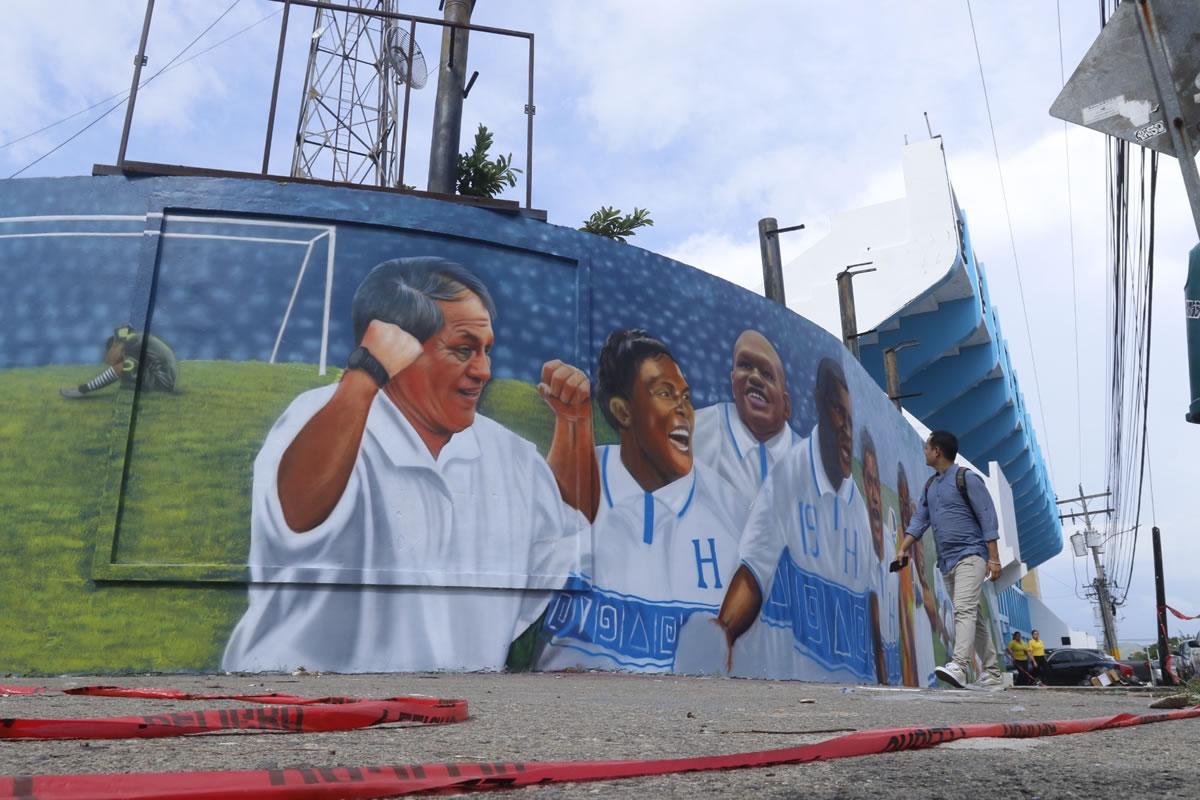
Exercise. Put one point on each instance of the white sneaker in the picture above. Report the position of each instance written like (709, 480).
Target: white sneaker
(990, 680)
(952, 674)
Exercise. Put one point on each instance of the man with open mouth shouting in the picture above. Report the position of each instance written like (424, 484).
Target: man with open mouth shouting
(806, 558)
(743, 439)
(665, 537)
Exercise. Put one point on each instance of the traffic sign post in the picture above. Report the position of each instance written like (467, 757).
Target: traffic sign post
(1140, 81)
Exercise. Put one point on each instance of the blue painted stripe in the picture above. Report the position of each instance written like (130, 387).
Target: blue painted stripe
(648, 524)
(828, 622)
(604, 475)
(691, 493)
(627, 630)
(812, 460)
(732, 438)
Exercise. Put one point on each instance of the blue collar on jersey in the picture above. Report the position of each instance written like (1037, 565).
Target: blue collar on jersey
(647, 498)
(812, 460)
(763, 465)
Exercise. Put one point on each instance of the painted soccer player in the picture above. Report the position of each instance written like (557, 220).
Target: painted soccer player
(909, 660)
(129, 354)
(743, 439)
(884, 584)
(805, 556)
(391, 481)
(666, 536)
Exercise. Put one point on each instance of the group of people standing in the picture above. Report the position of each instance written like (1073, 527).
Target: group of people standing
(1028, 657)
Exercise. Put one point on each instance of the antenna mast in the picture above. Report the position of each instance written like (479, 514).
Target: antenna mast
(348, 130)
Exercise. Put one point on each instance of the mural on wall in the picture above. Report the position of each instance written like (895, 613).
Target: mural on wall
(391, 477)
(465, 441)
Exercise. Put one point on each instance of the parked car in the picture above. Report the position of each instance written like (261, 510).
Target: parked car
(1145, 670)
(1073, 666)
(1181, 667)
(1189, 654)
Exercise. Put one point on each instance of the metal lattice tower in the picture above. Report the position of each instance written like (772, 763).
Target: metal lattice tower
(348, 130)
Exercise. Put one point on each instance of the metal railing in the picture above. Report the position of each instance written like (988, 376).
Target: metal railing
(412, 20)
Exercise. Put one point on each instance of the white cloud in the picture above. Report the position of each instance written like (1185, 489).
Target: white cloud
(735, 260)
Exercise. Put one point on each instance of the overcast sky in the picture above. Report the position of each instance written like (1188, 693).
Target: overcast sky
(713, 115)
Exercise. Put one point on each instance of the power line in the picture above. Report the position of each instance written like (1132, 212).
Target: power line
(1012, 240)
(165, 67)
(1146, 379)
(1071, 239)
(124, 93)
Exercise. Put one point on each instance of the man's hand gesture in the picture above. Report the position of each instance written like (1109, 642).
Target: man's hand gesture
(566, 390)
(392, 346)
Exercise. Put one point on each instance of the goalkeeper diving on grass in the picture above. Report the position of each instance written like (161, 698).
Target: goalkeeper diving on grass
(124, 353)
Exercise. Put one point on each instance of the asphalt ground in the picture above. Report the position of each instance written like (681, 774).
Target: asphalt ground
(599, 716)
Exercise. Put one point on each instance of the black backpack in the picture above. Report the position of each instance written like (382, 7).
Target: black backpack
(960, 480)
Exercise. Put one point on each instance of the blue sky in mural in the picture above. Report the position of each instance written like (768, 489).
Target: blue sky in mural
(711, 119)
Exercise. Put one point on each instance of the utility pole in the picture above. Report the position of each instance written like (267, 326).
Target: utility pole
(891, 368)
(772, 261)
(845, 284)
(447, 110)
(1090, 540)
(1160, 596)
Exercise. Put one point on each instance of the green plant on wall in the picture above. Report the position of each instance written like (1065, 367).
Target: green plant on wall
(610, 223)
(481, 176)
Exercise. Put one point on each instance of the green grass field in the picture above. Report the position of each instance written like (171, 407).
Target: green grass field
(183, 533)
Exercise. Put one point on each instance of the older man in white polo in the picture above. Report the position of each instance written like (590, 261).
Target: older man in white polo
(393, 528)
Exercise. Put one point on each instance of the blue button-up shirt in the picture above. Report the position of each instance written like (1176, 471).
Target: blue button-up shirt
(955, 530)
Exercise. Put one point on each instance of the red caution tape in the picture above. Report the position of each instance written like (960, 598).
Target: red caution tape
(1181, 615)
(289, 714)
(389, 781)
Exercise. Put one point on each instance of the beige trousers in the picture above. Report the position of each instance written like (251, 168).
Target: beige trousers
(971, 635)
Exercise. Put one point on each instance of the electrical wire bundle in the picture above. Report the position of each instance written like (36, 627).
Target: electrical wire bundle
(1131, 202)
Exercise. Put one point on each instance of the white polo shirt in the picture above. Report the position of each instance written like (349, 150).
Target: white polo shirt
(724, 443)
(661, 559)
(422, 564)
(808, 545)
(887, 586)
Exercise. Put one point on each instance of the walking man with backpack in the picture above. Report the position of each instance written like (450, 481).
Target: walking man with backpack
(957, 506)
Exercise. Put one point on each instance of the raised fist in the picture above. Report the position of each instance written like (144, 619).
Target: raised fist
(392, 346)
(566, 390)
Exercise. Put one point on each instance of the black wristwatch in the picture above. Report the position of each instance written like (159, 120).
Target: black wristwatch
(362, 359)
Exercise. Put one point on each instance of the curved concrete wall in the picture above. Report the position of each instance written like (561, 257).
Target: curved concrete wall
(147, 525)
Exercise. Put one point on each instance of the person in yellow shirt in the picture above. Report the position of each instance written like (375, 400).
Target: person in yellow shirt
(1037, 651)
(1019, 651)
